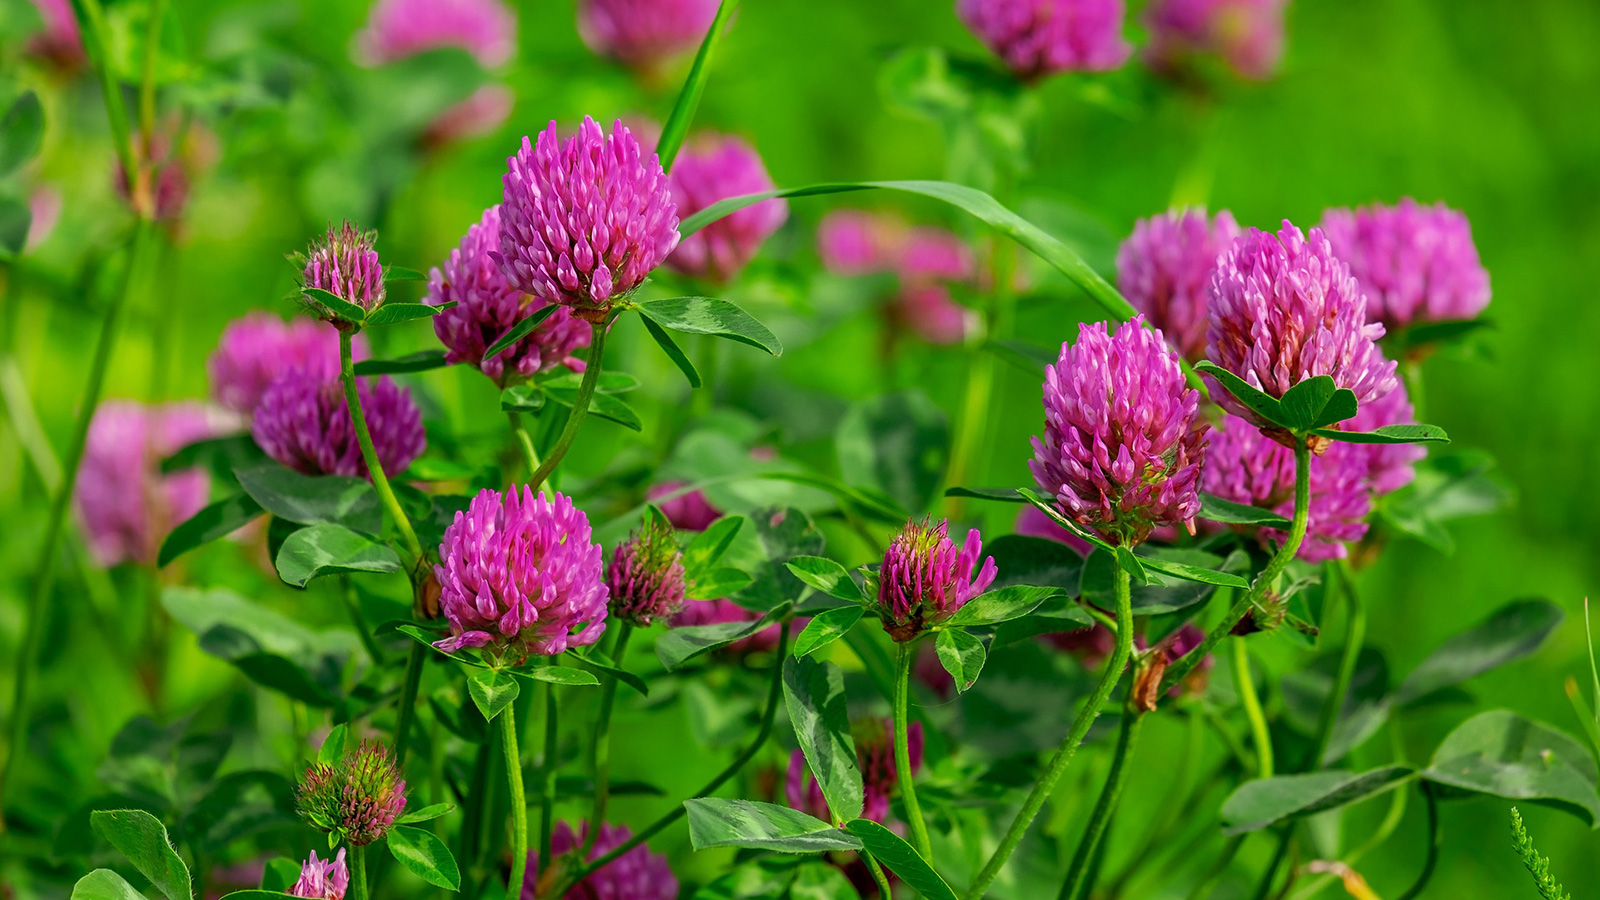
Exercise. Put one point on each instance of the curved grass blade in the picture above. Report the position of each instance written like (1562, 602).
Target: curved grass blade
(677, 126)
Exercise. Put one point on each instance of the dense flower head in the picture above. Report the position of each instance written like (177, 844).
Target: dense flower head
(126, 505)
(520, 573)
(488, 305)
(935, 254)
(397, 29)
(585, 219)
(345, 264)
(1415, 263)
(686, 510)
(258, 347)
(715, 167)
(1390, 467)
(304, 422)
(1123, 443)
(874, 740)
(644, 34)
(1246, 466)
(1247, 35)
(927, 262)
(1042, 37)
(925, 577)
(637, 874)
(359, 798)
(1164, 269)
(1284, 309)
(856, 242)
(322, 879)
(646, 576)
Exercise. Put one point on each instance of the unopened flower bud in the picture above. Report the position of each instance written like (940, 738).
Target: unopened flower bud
(357, 799)
(646, 577)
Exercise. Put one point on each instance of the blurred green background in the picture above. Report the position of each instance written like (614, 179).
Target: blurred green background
(1487, 106)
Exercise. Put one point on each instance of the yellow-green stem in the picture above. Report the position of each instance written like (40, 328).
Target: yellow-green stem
(530, 455)
(380, 481)
(519, 804)
(1245, 686)
(1063, 757)
(547, 773)
(358, 872)
(580, 406)
(902, 750)
(1079, 875)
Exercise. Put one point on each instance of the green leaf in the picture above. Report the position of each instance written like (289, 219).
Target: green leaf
(1253, 398)
(279, 874)
(491, 691)
(554, 674)
(15, 220)
(606, 406)
(1341, 407)
(143, 840)
(892, 850)
(694, 85)
(421, 361)
(331, 753)
(1049, 509)
(708, 315)
(999, 495)
(1026, 560)
(287, 675)
(813, 693)
(1002, 605)
(679, 645)
(425, 855)
(1216, 509)
(520, 330)
(1512, 632)
(221, 456)
(898, 443)
(1130, 564)
(783, 534)
(1186, 572)
(599, 663)
(970, 200)
(426, 814)
(826, 627)
(714, 822)
(673, 351)
(1302, 404)
(267, 646)
(217, 520)
(392, 274)
(819, 881)
(1267, 801)
(1502, 754)
(1388, 434)
(709, 546)
(826, 576)
(21, 130)
(717, 583)
(313, 500)
(337, 306)
(962, 655)
(320, 550)
(104, 884)
(394, 313)
(526, 397)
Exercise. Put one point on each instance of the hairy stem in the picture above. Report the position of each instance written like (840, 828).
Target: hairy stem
(580, 407)
(547, 773)
(519, 805)
(902, 750)
(1079, 880)
(1063, 757)
(358, 872)
(380, 481)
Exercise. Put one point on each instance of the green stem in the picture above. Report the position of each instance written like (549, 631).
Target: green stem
(602, 740)
(45, 568)
(1246, 687)
(547, 773)
(884, 891)
(1079, 882)
(519, 805)
(580, 406)
(774, 697)
(1391, 821)
(530, 455)
(408, 700)
(1264, 582)
(472, 814)
(1080, 728)
(1229, 851)
(1270, 875)
(147, 84)
(359, 621)
(1435, 838)
(380, 481)
(1355, 631)
(358, 872)
(902, 750)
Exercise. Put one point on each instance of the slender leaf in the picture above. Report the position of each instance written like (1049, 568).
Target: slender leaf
(217, 520)
(708, 315)
(1268, 801)
(1002, 605)
(520, 330)
(673, 351)
(393, 274)
(1187, 572)
(421, 361)
(826, 576)
(814, 694)
(715, 822)
(694, 85)
(999, 495)
(554, 674)
(335, 305)
(679, 645)
(825, 628)
(606, 406)
(426, 814)
(1512, 632)
(1389, 434)
(1264, 405)
(1216, 509)
(331, 753)
(1049, 509)
(893, 851)
(394, 313)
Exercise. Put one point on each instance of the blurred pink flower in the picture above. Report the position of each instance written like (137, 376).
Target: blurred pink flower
(397, 29)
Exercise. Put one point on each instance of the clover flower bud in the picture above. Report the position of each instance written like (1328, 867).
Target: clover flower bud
(359, 798)
(925, 578)
(646, 576)
(345, 264)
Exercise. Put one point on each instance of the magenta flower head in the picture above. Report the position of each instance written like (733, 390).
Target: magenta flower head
(322, 879)
(874, 740)
(688, 510)
(1247, 35)
(125, 504)
(488, 305)
(646, 577)
(359, 798)
(1036, 38)
(712, 168)
(397, 29)
(925, 578)
(635, 875)
(258, 347)
(1164, 269)
(1123, 442)
(585, 220)
(1390, 467)
(855, 242)
(644, 34)
(521, 575)
(1284, 309)
(1246, 466)
(303, 422)
(345, 265)
(1416, 263)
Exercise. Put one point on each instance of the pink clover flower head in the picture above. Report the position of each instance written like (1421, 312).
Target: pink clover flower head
(304, 422)
(323, 879)
(925, 578)
(1164, 269)
(520, 573)
(713, 168)
(638, 874)
(1036, 38)
(125, 504)
(1415, 263)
